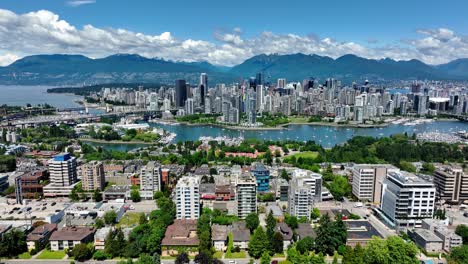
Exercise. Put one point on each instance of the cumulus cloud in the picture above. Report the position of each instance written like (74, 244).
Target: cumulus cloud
(76, 3)
(44, 32)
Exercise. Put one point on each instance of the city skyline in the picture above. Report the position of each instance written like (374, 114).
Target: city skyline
(229, 33)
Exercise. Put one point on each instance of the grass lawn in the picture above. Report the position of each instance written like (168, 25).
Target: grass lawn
(235, 255)
(218, 254)
(129, 219)
(278, 255)
(24, 255)
(299, 119)
(168, 257)
(47, 254)
(305, 154)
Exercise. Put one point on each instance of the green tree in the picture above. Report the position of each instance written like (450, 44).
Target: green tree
(203, 258)
(462, 230)
(265, 258)
(115, 243)
(315, 213)
(156, 258)
(270, 230)
(142, 219)
(99, 223)
(258, 243)
(110, 217)
(145, 259)
(277, 243)
(376, 252)
(285, 175)
(12, 244)
(97, 195)
(406, 166)
(74, 195)
(401, 251)
(330, 235)
(305, 245)
(459, 255)
(81, 252)
(291, 221)
(135, 196)
(252, 221)
(182, 258)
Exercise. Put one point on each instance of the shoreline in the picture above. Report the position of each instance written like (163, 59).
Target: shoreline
(113, 142)
(279, 127)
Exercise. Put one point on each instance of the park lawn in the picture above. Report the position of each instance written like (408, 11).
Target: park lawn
(299, 120)
(279, 255)
(218, 254)
(129, 219)
(24, 255)
(47, 254)
(305, 154)
(235, 255)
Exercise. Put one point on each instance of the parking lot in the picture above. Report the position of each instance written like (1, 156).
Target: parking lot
(34, 210)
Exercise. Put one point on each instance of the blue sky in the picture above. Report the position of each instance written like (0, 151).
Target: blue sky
(397, 29)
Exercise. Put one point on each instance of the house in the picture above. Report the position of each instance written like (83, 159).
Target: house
(100, 237)
(286, 232)
(224, 192)
(240, 235)
(40, 235)
(360, 232)
(426, 239)
(68, 237)
(305, 230)
(275, 210)
(219, 236)
(181, 235)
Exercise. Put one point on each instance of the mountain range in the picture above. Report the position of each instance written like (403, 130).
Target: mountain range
(58, 69)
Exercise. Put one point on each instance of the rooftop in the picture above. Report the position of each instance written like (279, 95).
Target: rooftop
(407, 178)
(305, 230)
(361, 229)
(181, 233)
(219, 232)
(62, 157)
(72, 233)
(40, 231)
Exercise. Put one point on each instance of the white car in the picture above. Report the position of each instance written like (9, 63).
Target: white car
(358, 205)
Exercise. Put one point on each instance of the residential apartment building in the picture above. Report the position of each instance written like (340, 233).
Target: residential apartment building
(305, 188)
(367, 180)
(92, 176)
(150, 180)
(451, 184)
(407, 199)
(62, 175)
(262, 175)
(69, 237)
(187, 198)
(246, 195)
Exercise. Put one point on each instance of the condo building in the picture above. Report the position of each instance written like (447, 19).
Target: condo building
(367, 180)
(451, 184)
(246, 195)
(407, 199)
(187, 198)
(305, 188)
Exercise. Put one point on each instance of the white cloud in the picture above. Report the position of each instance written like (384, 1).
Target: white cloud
(7, 59)
(43, 32)
(76, 3)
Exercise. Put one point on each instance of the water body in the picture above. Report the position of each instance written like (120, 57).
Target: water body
(324, 135)
(34, 95)
(117, 147)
